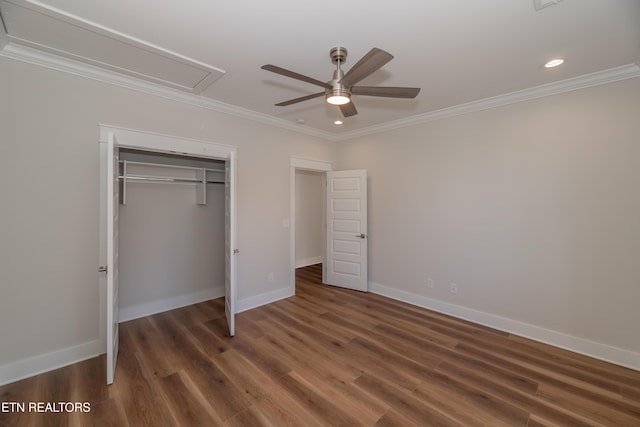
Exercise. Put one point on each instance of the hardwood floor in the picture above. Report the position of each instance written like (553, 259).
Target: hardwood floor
(329, 356)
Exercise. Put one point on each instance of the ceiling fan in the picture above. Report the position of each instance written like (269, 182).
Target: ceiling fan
(338, 91)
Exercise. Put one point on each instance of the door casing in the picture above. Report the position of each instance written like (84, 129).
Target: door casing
(152, 142)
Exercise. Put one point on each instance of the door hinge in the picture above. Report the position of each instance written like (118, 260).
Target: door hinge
(236, 251)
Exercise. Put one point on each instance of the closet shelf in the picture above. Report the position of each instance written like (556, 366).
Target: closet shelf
(166, 179)
(201, 180)
(131, 162)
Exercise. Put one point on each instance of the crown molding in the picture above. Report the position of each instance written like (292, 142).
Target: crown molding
(59, 63)
(611, 75)
(55, 62)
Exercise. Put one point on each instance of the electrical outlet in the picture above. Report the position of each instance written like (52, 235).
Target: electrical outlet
(453, 288)
(430, 283)
(271, 277)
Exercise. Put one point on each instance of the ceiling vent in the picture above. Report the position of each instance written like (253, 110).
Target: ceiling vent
(541, 4)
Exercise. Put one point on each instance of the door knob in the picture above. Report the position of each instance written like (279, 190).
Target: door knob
(362, 236)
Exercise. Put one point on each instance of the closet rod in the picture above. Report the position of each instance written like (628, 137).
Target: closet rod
(164, 179)
(131, 162)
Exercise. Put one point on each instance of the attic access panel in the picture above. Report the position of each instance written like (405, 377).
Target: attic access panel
(38, 27)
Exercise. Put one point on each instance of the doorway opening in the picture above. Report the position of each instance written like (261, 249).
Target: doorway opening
(309, 222)
(309, 171)
(344, 255)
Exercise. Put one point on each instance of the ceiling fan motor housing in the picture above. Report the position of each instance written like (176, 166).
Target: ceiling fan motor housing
(338, 53)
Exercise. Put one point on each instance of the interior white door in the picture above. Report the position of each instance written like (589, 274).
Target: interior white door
(230, 243)
(113, 198)
(346, 217)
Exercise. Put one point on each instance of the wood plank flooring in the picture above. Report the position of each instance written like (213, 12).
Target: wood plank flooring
(331, 357)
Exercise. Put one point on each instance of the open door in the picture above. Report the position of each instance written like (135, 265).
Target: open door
(230, 243)
(346, 232)
(113, 199)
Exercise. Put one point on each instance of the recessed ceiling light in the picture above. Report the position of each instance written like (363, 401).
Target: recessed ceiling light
(554, 63)
(337, 122)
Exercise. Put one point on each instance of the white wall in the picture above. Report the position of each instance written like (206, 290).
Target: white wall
(49, 215)
(309, 218)
(532, 209)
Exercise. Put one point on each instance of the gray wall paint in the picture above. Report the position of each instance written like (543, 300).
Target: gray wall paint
(169, 245)
(532, 209)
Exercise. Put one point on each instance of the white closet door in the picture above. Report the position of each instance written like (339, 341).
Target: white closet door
(230, 243)
(346, 247)
(113, 197)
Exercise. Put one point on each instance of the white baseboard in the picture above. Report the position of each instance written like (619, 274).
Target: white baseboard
(25, 368)
(31, 366)
(262, 299)
(584, 346)
(154, 307)
(308, 261)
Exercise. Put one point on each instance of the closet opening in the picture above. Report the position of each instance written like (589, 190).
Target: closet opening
(167, 227)
(171, 230)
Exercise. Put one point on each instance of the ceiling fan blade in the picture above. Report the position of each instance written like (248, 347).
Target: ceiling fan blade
(302, 98)
(294, 75)
(349, 109)
(369, 63)
(388, 92)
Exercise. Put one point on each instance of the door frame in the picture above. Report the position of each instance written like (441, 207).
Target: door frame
(313, 165)
(152, 142)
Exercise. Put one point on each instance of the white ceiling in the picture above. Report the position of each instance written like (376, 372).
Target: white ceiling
(456, 51)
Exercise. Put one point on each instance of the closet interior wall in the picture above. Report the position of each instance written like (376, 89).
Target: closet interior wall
(171, 246)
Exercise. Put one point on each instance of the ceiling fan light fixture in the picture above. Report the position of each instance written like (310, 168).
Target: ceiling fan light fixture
(338, 99)
(338, 96)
